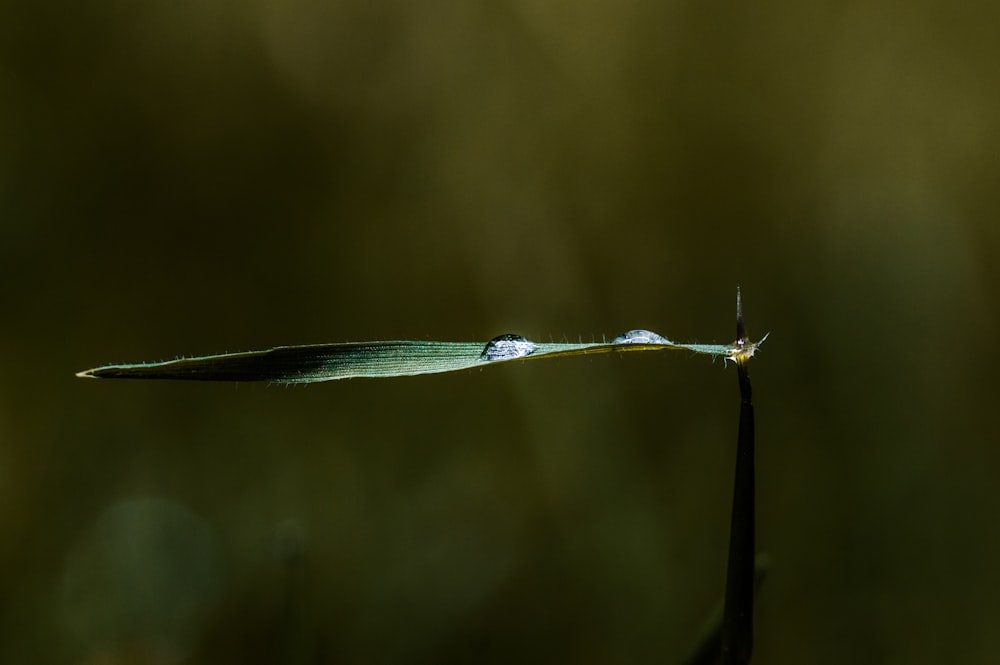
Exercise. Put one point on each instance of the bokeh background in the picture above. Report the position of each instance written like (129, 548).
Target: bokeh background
(183, 177)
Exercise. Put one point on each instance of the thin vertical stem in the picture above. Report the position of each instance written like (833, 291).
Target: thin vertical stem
(737, 621)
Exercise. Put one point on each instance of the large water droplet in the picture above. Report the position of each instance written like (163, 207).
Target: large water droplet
(640, 337)
(506, 347)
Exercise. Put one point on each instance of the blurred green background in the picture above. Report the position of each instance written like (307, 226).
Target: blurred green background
(195, 177)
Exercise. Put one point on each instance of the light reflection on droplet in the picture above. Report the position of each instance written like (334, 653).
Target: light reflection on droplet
(507, 347)
(640, 337)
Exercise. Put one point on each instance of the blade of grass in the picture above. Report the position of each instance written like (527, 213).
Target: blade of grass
(327, 362)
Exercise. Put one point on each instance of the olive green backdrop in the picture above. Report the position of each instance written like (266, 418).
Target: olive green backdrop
(186, 177)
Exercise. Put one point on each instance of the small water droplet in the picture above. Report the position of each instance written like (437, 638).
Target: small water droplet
(506, 347)
(640, 337)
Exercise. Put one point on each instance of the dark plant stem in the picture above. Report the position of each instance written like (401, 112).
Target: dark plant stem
(708, 650)
(737, 619)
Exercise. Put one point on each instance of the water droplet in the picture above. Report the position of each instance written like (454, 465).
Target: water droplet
(640, 337)
(506, 347)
